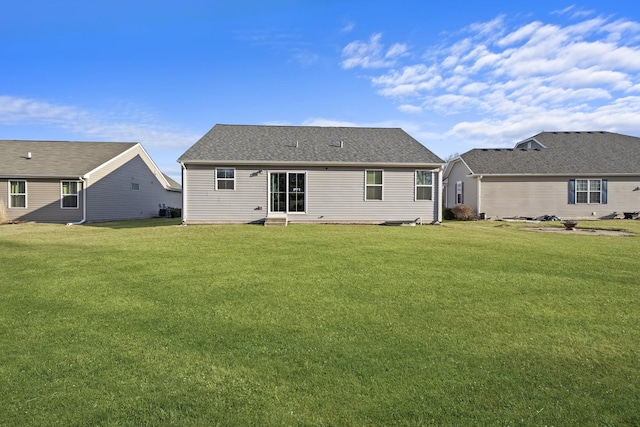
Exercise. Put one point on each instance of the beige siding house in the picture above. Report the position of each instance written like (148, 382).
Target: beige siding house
(575, 175)
(308, 174)
(76, 182)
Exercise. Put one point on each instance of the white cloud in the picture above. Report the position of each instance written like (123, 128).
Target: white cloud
(503, 81)
(371, 54)
(411, 109)
(132, 126)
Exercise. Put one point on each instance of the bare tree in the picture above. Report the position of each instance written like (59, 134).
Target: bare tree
(450, 157)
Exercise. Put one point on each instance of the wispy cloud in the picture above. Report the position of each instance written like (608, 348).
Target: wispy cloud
(130, 124)
(371, 53)
(504, 81)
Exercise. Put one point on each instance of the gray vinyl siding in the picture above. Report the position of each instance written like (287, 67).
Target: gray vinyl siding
(110, 197)
(43, 202)
(535, 196)
(333, 194)
(459, 172)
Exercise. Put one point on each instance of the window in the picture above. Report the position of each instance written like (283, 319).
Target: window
(373, 187)
(225, 179)
(587, 191)
(424, 185)
(135, 186)
(70, 198)
(17, 194)
(459, 193)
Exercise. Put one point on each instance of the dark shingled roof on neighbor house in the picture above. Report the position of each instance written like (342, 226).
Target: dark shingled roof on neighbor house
(561, 153)
(58, 159)
(244, 144)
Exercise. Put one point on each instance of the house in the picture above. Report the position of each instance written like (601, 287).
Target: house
(76, 182)
(309, 174)
(576, 175)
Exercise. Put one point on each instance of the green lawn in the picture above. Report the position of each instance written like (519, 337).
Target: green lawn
(151, 323)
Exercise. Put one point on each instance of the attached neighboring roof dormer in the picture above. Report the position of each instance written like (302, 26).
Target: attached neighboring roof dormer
(529, 144)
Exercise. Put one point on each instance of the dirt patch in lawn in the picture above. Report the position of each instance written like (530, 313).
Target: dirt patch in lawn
(584, 231)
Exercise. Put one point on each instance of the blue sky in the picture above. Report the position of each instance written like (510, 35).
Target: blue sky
(455, 75)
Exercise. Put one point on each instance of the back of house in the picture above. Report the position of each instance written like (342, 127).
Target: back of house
(309, 174)
(77, 182)
(577, 175)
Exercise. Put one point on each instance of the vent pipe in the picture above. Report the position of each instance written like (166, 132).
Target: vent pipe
(29, 155)
(341, 144)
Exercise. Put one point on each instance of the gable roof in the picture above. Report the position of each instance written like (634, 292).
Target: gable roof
(56, 158)
(64, 159)
(560, 153)
(244, 144)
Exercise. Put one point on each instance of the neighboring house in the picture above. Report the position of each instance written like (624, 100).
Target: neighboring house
(248, 174)
(76, 182)
(575, 175)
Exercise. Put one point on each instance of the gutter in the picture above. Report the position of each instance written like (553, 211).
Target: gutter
(84, 203)
(305, 163)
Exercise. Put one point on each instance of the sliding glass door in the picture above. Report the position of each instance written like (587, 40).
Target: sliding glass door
(287, 192)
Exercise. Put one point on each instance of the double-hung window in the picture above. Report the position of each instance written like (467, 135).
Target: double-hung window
(424, 185)
(17, 194)
(459, 193)
(588, 191)
(373, 185)
(225, 179)
(70, 194)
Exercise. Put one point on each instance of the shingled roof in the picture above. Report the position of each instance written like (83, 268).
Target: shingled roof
(243, 144)
(56, 158)
(560, 153)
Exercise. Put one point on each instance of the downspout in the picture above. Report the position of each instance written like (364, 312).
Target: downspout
(440, 204)
(183, 170)
(479, 194)
(84, 203)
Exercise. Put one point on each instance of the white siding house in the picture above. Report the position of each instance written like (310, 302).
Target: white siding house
(576, 175)
(77, 182)
(247, 174)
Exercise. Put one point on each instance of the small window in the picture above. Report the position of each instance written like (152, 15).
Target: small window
(135, 186)
(225, 179)
(373, 187)
(459, 193)
(17, 194)
(424, 185)
(70, 194)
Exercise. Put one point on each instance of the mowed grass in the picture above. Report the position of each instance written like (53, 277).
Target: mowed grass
(150, 323)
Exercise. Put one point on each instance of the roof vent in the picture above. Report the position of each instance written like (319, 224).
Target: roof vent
(341, 144)
(297, 144)
(29, 155)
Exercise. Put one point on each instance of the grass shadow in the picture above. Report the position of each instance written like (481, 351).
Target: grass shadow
(136, 223)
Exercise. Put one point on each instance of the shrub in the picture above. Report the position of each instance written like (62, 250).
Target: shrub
(463, 213)
(447, 213)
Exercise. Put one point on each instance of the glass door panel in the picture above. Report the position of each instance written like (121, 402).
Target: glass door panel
(296, 192)
(278, 192)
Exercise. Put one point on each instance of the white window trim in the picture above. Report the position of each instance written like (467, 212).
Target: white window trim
(26, 199)
(78, 188)
(373, 185)
(459, 192)
(215, 187)
(588, 202)
(306, 194)
(416, 186)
